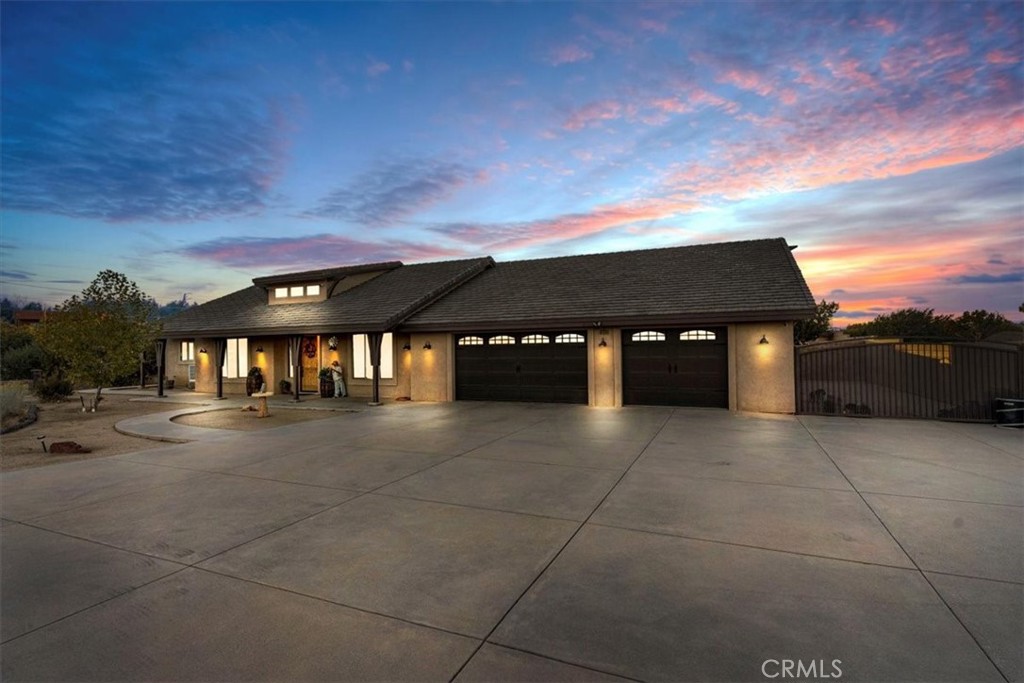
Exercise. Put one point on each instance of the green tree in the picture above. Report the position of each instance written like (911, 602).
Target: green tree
(906, 322)
(99, 334)
(816, 326)
(978, 325)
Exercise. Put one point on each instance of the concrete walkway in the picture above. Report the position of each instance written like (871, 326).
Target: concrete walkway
(487, 542)
(161, 427)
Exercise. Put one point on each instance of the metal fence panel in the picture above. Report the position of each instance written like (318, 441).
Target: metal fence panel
(907, 378)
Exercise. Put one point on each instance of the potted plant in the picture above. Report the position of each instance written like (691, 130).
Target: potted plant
(326, 383)
(254, 381)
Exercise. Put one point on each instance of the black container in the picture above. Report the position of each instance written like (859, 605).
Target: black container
(1009, 412)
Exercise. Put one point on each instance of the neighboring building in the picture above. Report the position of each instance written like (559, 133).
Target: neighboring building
(29, 317)
(707, 325)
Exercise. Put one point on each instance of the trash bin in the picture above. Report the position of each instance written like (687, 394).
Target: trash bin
(1010, 412)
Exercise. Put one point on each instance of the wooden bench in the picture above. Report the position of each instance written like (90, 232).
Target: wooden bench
(264, 409)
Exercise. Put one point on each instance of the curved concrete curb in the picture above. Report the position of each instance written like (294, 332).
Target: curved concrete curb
(159, 426)
(31, 415)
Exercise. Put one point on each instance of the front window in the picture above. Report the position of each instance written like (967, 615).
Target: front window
(362, 368)
(188, 351)
(236, 358)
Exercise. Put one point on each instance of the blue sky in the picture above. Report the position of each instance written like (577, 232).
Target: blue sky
(194, 146)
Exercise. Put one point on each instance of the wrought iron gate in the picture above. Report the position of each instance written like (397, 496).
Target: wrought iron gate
(897, 378)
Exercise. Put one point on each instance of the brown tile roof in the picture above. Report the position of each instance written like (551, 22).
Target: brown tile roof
(376, 305)
(724, 282)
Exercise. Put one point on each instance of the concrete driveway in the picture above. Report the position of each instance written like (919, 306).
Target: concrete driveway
(487, 542)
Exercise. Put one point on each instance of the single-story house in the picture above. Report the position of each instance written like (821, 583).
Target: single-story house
(705, 325)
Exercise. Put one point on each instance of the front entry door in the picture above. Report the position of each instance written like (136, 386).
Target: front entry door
(310, 364)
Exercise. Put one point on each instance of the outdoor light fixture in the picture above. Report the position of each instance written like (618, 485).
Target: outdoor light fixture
(202, 349)
(407, 347)
(427, 345)
(259, 349)
(603, 343)
(764, 340)
(332, 343)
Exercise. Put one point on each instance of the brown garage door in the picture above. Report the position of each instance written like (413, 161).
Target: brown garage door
(548, 367)
(676, 367)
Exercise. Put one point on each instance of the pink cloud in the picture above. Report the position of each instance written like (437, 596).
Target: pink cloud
(1002, 57)
(593, 113)
(746, 79)
(569, 54)
(496, 238)
(887, 26)
(852, 70)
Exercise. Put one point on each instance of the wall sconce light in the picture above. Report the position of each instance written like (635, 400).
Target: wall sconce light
(407, 347)
(202, 349)
(764, 340)
(427, 345)
(603, 343)
(332, 343)
(259, 349)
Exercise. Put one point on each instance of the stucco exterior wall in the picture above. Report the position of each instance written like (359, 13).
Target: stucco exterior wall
(433, 370)
(363, 388)
(604, 368)
(761, 375)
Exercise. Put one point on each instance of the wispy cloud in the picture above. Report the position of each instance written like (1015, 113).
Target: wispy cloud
(498, 238)
(592, 114)
(393, 190)
(377, 68)
(16, 275)
(988, 278)
(570, 53)
(310, 251)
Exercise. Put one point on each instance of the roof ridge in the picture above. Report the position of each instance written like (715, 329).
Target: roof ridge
(353, 269)
(643, 251)
(479, 265)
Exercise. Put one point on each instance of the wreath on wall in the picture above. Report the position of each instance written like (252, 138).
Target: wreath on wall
(309, 348)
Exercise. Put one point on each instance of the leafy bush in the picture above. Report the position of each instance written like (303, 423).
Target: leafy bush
(53, 388)
(20, 362)
(12, 400)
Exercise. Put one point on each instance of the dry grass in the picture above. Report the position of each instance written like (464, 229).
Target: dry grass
(65, 421)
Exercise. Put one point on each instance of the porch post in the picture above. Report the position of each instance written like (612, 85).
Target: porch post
(220, 347)
(374, 339)
(161, 347)
(295, 344)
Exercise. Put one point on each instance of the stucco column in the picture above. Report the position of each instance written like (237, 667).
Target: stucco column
(762, 359)
(604, 367)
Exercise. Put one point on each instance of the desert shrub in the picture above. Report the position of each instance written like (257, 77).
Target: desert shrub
(53, 388)
(12, 400)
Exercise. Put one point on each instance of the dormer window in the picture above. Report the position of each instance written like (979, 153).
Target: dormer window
(296, 293)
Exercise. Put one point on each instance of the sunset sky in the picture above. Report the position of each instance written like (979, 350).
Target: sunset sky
(194, 146)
